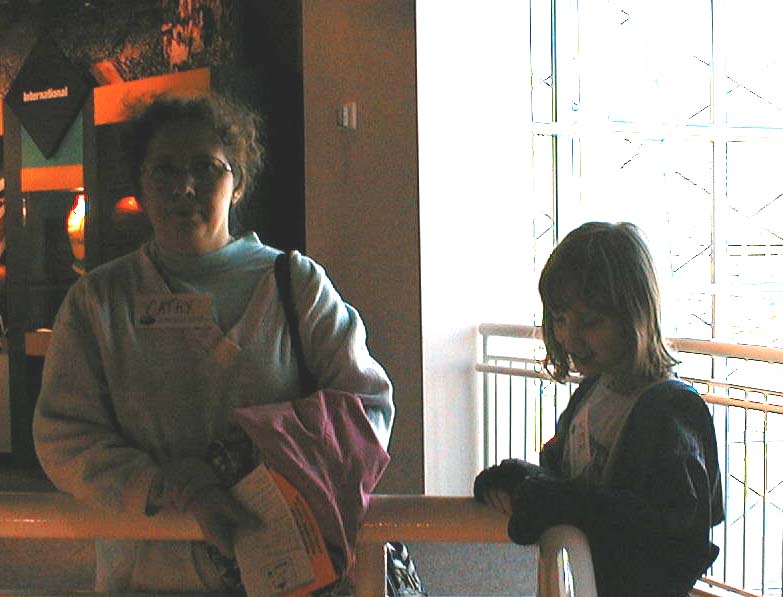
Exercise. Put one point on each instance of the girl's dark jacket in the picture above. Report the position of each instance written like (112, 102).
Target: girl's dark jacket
(649, 525)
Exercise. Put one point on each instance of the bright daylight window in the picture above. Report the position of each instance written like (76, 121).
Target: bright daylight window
(665, 113)
(669, 114)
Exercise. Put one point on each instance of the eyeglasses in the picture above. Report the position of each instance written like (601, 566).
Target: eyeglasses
(205, 170)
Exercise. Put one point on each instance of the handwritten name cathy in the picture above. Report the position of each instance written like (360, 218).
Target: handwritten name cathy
(178, 310)
(171, 306)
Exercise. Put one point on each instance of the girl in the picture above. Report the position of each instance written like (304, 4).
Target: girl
(634, 460)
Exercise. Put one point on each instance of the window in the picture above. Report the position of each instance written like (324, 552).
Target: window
(668, 114)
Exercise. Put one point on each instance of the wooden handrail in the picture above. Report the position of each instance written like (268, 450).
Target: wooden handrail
(52, 515)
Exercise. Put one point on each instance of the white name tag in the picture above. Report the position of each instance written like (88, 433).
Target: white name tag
(173, 310)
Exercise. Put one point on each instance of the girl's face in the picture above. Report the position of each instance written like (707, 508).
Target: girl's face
(596, 343)
(187, 188)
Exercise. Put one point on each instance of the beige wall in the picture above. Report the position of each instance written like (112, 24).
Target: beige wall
(362, 212)
(476, 214)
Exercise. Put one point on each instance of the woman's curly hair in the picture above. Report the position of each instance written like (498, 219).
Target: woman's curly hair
(236, 125)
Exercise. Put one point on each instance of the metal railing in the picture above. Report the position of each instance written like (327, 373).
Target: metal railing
(743, 386)
(565, 566)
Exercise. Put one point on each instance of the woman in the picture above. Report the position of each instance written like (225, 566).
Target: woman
(151, 352)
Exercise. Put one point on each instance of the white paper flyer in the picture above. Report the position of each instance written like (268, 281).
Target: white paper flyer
(273, 559)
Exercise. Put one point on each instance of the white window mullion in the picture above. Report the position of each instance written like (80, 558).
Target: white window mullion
(566, 100)
(720, 215)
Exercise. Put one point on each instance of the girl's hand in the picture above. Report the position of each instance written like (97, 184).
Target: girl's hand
(502, 477)
(218, 514)
(499, 500)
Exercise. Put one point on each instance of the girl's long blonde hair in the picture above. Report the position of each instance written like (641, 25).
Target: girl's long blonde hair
(608, 267)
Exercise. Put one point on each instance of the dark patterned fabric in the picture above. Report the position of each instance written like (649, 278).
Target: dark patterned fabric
(401, 576)
(231, 459)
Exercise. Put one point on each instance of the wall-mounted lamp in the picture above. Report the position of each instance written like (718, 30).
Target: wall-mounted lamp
(74, 225)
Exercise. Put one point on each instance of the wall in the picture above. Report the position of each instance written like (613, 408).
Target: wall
(112, 41)
(476, 222)
(251, 48)
(420, 214)
(361, 193)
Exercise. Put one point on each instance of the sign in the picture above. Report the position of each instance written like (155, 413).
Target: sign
(47, 95)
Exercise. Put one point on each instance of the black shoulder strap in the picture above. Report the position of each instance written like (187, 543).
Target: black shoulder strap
(283, 278)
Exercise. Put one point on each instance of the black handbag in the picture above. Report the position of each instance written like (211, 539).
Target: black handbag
(401, 576)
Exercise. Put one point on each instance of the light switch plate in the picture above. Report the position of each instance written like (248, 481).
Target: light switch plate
(346, 116)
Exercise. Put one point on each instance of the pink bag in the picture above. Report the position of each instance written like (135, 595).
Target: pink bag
(326, 448)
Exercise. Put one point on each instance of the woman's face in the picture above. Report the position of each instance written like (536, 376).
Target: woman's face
(595, 342)
(187, 188)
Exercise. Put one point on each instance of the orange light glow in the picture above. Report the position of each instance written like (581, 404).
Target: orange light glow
(74, 225)
(127, 206)
(52, 178)
(111, 101)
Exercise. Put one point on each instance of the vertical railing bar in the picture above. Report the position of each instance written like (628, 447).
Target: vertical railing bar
(524, 430)
(727, 393)
(495, 416)
(745, 500)
(556, 401)
(711, 408)
(485, 346)
(764, 505)
(539, 428)
(726, 462)
(510, 411)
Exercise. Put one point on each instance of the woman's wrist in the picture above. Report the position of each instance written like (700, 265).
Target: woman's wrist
(155, 496)
(183, 480)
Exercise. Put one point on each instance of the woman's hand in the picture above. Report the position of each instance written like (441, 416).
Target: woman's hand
(218, 514)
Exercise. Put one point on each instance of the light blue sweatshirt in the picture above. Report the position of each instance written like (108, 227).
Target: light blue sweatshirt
(120, 399)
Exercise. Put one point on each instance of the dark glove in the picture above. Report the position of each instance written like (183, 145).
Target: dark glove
(503, 477)
(184, 479)
(218, 514)
(540, 502)
(191, 485)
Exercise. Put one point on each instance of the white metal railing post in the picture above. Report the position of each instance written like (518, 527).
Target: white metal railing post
(565, 560)
(370, 571)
